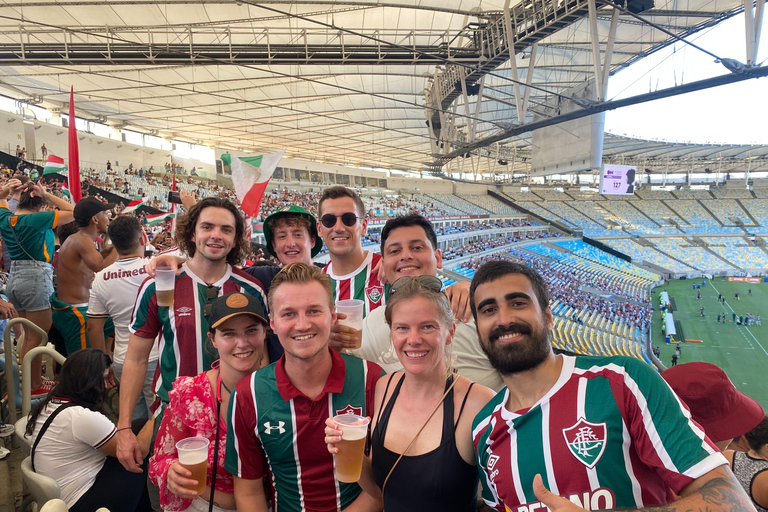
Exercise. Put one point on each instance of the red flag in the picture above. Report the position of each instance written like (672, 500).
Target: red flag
(74, 153)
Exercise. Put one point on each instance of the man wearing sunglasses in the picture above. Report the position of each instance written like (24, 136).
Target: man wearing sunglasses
(342, 226)
(408, 248)
(211, 233)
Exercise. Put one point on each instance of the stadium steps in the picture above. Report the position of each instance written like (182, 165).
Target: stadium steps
(676, 259)
(721, 258)
(746, 210)
(632, 204)
(717, 219)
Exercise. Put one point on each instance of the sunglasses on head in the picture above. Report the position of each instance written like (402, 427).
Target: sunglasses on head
(211, 294)
(431, 283)
(349, 219)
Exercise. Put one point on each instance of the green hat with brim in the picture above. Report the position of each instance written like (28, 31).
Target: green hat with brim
(293, 210)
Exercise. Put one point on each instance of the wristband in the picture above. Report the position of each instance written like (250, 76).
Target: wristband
(124, 428)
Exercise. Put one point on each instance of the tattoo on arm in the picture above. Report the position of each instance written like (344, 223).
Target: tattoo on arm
(718, 494)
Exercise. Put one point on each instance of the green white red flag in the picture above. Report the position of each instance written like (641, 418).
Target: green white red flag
(54, 164)
(160, 217)
(133, 205)
(250, 176)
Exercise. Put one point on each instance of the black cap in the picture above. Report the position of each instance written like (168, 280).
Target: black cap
(86, 208)
(233, 304)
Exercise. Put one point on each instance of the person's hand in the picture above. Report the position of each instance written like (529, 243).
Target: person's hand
(342, 336)
(8, 187)
(553, 502)
(332, 435)
(110, 381)
(458, 294)
(179, 481)
(38, 190)
(164, 260)
(187, 199)
(379, 271)
(7, 311)
(129, 451)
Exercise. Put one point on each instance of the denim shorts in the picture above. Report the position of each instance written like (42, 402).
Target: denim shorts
(30, 285)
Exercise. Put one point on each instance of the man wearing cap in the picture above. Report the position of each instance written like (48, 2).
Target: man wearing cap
(722, 411)
(573, 433)
(291, 236)
(77, 262)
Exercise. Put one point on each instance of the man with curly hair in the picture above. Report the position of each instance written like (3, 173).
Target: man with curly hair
(211, 233)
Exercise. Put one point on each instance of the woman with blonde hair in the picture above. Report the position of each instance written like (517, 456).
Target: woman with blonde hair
(421, 447)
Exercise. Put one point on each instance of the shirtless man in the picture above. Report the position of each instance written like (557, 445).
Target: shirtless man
(77, 263)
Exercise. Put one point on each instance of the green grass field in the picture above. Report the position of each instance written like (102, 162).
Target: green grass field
(742, 352)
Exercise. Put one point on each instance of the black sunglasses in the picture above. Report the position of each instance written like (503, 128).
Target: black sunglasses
(349, 219)
(211, 294)
(431, 283)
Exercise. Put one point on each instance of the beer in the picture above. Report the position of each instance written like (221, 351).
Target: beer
(200, 473)
(164, 298)
(349, 459)
(358, 339)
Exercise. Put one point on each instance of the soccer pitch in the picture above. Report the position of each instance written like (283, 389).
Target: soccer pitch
(742, 352)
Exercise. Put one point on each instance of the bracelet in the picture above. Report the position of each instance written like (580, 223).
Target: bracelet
(124, 428)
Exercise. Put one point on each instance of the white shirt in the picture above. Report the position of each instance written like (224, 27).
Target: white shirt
(113, 295)
(68, 451)
(468, 357)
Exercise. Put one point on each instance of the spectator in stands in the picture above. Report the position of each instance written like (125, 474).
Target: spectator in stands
(74, 443)
(583, 400)
(112, 297)
(342, 226)
(43, 151)
(19, 154)
(211, 233)
(77, 262)
(13, 203)
(751, 467)
(29, 239)
(199, 406)
(296, 395)
(722, 411)
(422, 325)
(409, 248)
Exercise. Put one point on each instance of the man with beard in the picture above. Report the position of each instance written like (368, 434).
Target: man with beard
(573, 433)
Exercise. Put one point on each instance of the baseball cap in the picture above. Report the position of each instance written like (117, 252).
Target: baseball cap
(715, 403)
(88, 207)
(233, 304)
(295, 210)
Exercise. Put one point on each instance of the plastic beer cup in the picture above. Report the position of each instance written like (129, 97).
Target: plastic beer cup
(348, 461)
(193, 456)
(353, 308)
(165, 280)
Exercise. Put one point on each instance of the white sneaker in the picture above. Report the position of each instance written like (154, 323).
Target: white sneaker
(4, 452)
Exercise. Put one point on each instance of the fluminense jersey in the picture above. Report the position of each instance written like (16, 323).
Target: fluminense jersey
(610, 433)
(362, 284)
(183, 328)
(274, 429)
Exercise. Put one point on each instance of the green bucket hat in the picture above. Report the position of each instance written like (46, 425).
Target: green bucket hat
(295, 210)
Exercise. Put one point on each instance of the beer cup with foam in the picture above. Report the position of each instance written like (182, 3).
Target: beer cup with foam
(193, 456)
(353, 308)
(348, 461)
(165, 280)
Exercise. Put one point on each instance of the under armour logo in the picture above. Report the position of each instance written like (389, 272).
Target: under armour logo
(269, 428)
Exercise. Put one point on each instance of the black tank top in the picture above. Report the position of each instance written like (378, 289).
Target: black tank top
(439, 481)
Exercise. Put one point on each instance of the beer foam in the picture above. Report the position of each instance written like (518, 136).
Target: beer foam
(350, 433)
(191, 458)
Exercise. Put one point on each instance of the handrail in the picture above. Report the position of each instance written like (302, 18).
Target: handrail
(26, 378)
(8, 348)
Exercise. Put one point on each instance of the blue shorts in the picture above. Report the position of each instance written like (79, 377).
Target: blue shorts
(30, 285)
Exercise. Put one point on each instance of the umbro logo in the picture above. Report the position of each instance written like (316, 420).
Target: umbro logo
(184, 311)
(268, 428)
(492, 460)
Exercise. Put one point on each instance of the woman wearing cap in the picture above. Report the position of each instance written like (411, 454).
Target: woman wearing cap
(422, 457)
(29, 239)
(198, 406)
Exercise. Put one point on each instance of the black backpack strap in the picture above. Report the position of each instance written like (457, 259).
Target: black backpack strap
(45, 427)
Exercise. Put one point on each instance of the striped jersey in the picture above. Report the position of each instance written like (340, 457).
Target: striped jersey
(183, 328)
(275, 430)
(362, 284)
(610, 433)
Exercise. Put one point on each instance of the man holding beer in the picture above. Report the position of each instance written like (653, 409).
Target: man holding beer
(280, 411)
(212, 234)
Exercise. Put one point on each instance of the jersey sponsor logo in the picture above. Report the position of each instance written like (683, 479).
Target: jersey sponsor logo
(268, 427)
(586, 441)
(184, 311)
(599, 499)
(375, 293)
(350, 410)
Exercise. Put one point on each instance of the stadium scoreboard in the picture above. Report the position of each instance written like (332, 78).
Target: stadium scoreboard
(618, 179)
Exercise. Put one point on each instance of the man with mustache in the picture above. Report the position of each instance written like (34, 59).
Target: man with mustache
(574, 433)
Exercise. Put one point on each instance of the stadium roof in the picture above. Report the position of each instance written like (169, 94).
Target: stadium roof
(334, 81)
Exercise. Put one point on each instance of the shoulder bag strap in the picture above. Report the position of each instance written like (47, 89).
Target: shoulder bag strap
(45, 427)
